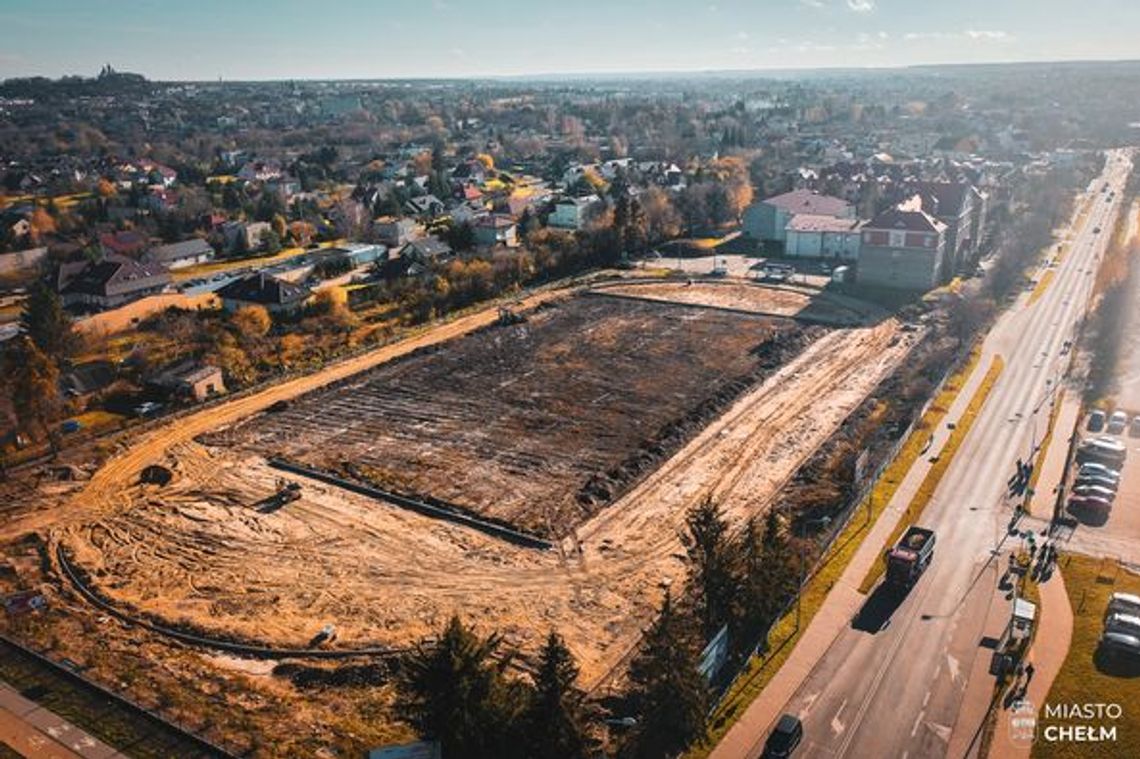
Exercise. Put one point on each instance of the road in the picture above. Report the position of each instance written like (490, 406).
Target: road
(896, 686)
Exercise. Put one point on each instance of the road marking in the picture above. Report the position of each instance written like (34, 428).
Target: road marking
(837, 727)
(917, 722)
(952, 663)
(942, 731)
(926, 699)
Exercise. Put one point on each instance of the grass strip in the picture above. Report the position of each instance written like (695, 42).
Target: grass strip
(763, 667)
(934, 476)
(1042, 285)
(1085, 676)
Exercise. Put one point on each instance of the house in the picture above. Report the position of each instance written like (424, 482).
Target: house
(812, 236)
(109, 282)
(426, 250)
(424, 205)
(261, 289)
(955, 205)
(496, 230)
(394, 231)
(244, 237)
(179, 255)
(903, 248)
(129, 243)
(468, 212)
(572, 213)
(189, 381)
(768, 219)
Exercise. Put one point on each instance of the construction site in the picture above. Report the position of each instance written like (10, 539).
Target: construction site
(377, 498)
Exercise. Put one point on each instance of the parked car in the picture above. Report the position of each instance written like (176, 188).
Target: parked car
(1134, 428)
(1102, 450)
(1098, 480)
(1120, 643)
(1097, 420)
(786, 736)
(1097, 491)
(1123, 603)
(1123, 623)
(1090, 503)
(1117, 422)
(1100, 470)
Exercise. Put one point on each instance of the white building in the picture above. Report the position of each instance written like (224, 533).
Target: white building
(813, 236)
(572, 213)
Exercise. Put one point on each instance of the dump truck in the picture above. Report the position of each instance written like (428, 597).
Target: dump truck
(907, 560)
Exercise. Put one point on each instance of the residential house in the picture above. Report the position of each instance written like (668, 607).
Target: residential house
(190, 381)
(468, 212)
(768, 219)
(241, 236)
(426, 250)
(109, 282)
(179, 255)
(261, 289)
(903, 248)
(955, 204)
(394, 231)
(130, 243)
(811, 236)
(428, 206)
(496, 229)
(572, 213)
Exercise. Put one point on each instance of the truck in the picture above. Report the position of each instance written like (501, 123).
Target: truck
(910, 556)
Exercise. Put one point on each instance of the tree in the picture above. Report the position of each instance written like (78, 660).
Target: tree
(671, 695)
(34, 388)
(251, 322)
(455, 691)
(487, 161)
(42, 224)
(714, 556)
(46, 323)
(554, 722)
(662, 222)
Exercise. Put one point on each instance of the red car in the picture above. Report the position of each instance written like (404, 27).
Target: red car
(1090, 503)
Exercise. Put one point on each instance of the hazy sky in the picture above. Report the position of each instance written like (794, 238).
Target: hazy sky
(277, 39)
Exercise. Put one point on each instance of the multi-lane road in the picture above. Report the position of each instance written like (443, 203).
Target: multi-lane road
(893, 684)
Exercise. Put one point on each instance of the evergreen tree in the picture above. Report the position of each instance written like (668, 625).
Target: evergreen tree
(454, 690)
(555, 724)
(671, 695)
(46, 323)
(33, 386)
(715, 564)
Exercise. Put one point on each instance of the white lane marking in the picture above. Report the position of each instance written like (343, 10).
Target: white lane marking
(837, 727)
(917, 722)
(926, 699)
(942, 731)
(952, 663)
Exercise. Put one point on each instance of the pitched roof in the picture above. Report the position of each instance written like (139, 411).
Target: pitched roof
(906, 218)
(807, 201)
(112, 274)
(942, 198)
(806, 222)
(427, 248)
(179, 250)
(260, 287)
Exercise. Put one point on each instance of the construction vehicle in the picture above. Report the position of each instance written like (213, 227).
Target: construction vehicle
(507, 317)
(287, 492)
(910, 557)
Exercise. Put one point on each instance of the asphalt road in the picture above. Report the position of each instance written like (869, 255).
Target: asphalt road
(893, 683)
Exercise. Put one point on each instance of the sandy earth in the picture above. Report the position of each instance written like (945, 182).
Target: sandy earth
(196, 551)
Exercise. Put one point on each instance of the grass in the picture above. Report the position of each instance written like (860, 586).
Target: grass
(785, 633)
(1083, 679)
(1042, 285)
(934, 476)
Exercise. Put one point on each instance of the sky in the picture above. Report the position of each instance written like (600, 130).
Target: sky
(330, 39)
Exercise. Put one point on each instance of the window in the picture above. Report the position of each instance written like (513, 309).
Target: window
(898, 239)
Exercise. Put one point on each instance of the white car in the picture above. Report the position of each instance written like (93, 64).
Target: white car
(1117, 422)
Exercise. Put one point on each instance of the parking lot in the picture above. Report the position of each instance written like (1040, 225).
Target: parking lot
(1120, 533)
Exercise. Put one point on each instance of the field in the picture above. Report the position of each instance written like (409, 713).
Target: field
(538, 424)
(662, 403)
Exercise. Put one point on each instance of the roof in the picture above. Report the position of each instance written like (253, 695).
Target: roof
(494, 221)
(179, 250)
(123, 242)
(943, 198)
(807, 222)
(427, 247)
(904, 219)
(807, 201)
(587, 200)
(263, 288)
(113, 273)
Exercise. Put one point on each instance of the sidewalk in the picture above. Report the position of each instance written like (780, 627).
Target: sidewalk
(842, 604)
(1050, 646)
(32, 730)
(1045, 493)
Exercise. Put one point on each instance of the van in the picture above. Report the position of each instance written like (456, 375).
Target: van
(1123, 603)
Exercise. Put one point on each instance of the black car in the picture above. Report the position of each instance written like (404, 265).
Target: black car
(785, 738)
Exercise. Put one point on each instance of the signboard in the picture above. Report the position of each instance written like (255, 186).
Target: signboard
(714, 655)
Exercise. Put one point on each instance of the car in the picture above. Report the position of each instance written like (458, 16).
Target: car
(1123, 603)
(1098, 480)
(1097, 420)
(1134, 427)
(1120, 643)
(786, 736)
(1117, 422)
(1123, 623)
(1096, 230)
(1097, 491)
(1102, 450)
(1099, 470)
(1089, 503)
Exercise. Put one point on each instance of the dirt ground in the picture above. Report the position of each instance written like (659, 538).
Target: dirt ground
(196, 552)
(752, 297)
(537, 424)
